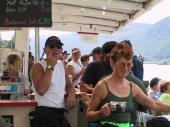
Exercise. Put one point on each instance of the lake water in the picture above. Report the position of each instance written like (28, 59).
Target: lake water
(155, 70)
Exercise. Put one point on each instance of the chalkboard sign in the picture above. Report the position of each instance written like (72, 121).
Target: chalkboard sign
(25, 13)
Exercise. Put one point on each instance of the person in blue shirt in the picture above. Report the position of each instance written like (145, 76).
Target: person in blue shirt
(154, 91)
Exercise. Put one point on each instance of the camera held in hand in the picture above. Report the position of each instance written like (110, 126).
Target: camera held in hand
(118, 106)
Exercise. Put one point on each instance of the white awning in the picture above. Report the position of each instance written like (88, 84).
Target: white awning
(98, 16)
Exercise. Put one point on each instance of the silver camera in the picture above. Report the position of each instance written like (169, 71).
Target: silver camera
(118, 106)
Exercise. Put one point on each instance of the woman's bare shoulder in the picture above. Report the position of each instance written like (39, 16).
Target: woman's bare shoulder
(101, 89)
(101, 84)
(135, 89)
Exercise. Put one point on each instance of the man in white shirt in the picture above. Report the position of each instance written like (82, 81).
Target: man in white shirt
(51, 84)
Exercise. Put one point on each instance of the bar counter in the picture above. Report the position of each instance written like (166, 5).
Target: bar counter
(17, 111)
(17, 103)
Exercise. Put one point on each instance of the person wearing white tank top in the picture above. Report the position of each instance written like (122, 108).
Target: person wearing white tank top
(50, 84)
(74, 67)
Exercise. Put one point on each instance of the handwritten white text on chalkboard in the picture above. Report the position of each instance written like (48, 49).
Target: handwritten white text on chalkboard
(25, 21)
(23, 2)
(11, 2)
(25, 13)
(30, 21)
(10, 10)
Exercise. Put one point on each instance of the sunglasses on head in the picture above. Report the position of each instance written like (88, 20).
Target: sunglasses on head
(55, 46)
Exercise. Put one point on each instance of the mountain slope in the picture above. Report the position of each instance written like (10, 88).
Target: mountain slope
(149, 40)
(152, 41)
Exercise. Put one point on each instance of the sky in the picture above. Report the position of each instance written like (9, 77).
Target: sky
(158, 12)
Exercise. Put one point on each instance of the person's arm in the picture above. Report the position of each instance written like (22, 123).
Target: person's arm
(98, 94)
(143, 99)
(70, 70)
(84, 87)
(88, 78)
(71, 98)
(42, 79)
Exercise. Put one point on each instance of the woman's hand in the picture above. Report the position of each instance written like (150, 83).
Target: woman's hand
(105, 109)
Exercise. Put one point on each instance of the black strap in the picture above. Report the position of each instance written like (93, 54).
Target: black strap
(42, 56)
(130, 87)
(131, 90)
(106, 85)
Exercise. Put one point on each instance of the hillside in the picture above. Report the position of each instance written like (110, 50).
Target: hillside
(152, 41)
(149, 40)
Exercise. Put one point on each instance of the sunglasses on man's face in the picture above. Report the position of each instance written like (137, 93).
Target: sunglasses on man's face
(55, 46)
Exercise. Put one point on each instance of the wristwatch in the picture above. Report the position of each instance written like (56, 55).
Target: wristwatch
(50, 67)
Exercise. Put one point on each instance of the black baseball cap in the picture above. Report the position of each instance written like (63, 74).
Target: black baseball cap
(53, 42)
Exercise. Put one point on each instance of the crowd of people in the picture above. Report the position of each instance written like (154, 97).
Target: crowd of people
(114, 79)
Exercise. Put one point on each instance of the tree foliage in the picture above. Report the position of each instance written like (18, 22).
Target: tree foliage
(8, 44)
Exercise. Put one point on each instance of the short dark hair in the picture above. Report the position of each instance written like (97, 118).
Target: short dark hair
(108, 46)
(97, 50)
(84, 58)
(154, 82)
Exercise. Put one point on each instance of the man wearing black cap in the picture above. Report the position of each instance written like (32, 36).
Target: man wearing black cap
(96, 70)
(50, 82)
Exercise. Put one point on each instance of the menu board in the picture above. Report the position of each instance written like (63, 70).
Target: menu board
(25, 13)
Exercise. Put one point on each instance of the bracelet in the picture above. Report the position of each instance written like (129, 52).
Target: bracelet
(101, 114)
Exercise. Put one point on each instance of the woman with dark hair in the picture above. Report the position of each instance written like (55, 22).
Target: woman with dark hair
(112, 99)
